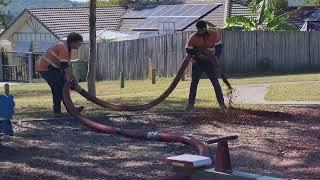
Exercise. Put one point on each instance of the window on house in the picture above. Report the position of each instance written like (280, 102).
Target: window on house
(22, 46)
(42, 46)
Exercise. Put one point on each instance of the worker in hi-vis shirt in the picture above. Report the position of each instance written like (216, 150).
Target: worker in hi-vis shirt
(54, 68)
(205, 47)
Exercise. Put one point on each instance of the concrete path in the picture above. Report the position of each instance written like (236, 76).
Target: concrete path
(250, 94)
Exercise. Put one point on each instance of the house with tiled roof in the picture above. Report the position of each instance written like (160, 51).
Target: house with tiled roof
(306, 18)
(36, 29)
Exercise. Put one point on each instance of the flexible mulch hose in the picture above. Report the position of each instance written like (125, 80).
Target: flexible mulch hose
(202, 148)
(141, 107)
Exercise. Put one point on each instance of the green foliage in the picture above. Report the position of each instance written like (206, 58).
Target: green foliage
(313, 2)
(119, 2)
(240, 23)
(280, 6)
(263, 18)
(101, 3)
(105, 40)
(3, 22)
(210, 25)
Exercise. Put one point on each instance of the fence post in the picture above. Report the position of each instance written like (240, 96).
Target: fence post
(1, 67)
(6, 89)
(150, 68)
(16, 73)
(154, 76)
(122, 79)
(30, 66)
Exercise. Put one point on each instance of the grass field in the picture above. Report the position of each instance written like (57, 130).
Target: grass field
(294, 92)
(276, 79)
(34, 100)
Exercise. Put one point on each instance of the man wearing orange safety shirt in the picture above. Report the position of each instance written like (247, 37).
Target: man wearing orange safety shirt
(54, 68)
(205, 47)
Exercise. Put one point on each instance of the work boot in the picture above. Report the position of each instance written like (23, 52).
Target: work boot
(57, 115)
(223, 106)
(80, 108)
(190, 107)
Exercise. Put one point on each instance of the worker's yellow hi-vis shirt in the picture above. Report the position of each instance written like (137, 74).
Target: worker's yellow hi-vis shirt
(55, 55)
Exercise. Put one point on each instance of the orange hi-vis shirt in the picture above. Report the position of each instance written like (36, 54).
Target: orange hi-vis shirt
(208, 41)
(55, 55)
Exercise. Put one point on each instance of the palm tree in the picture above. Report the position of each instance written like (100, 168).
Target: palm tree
(262, 18)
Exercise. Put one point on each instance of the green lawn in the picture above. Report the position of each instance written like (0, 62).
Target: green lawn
(294, 92)
(276, 79)
(34, 100)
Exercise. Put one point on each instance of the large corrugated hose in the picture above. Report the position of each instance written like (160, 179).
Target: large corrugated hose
(202, 148)
(141, 107)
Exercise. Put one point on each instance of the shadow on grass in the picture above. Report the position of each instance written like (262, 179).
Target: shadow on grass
(34, 112)
(25, 93)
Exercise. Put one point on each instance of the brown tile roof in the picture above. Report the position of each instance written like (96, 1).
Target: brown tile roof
(61, 21)
(239, 9)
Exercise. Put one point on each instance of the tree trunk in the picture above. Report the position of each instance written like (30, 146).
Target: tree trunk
(1, 63)
(93, 50)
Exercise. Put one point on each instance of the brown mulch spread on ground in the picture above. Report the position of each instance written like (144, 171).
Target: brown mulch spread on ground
(282, 144)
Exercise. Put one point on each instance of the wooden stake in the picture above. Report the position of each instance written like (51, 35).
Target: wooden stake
(6, 89)
(122, 79)
(154, 76)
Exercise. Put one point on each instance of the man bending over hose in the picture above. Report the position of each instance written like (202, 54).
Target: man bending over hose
(205, 47)
(54, 68)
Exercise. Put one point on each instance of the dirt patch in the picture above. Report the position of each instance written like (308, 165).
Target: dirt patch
(282, 144)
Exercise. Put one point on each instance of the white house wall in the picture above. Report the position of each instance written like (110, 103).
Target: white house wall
(27, 28)
(32, 30)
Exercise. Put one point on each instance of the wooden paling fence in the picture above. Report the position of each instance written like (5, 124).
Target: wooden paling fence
(165, 53)
(244, 52)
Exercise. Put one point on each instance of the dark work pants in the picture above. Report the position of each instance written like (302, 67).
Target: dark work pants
(197, 70)
(55, 79)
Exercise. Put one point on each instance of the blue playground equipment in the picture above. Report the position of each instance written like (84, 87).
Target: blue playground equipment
(6, 113)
